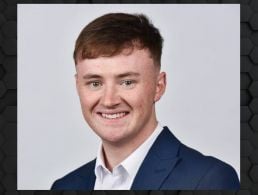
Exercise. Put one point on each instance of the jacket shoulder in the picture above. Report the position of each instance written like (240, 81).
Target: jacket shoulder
(209, 172)
(80, 178)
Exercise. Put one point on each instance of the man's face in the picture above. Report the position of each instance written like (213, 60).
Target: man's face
(118, 93)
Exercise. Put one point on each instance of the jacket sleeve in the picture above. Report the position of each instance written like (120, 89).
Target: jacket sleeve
(219, 176)
(57, 185)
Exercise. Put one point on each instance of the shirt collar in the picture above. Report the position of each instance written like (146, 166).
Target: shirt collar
(133, 162)
(100, 167)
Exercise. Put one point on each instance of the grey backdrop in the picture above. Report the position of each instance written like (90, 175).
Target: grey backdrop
(201, 104)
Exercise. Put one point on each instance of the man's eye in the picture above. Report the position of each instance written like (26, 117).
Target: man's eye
(128, 83)
(94, 84)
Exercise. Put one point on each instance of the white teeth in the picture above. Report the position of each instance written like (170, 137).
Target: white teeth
(113, 116)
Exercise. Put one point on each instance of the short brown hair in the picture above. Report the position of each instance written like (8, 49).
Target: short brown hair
(109, 34)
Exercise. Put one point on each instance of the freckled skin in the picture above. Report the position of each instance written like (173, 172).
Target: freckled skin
(137, 99)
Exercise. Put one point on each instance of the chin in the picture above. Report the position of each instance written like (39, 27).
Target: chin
(112, 136)
(113, 140)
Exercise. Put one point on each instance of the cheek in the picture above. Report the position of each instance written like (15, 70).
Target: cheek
(87, 99)
(141, 100)
(148, 97)
(149, 91)
(146, 91)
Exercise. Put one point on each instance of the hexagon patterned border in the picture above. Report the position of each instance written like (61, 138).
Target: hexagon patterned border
(249, 96)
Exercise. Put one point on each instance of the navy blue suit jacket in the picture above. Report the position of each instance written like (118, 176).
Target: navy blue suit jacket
(169, 165)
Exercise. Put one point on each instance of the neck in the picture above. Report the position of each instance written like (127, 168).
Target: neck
(115, 153)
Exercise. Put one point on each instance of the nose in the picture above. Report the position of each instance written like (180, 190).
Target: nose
(110, 97)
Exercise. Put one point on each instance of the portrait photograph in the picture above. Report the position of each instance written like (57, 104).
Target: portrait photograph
(126, 97)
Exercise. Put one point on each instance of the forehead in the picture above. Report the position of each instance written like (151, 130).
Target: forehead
(138, 60)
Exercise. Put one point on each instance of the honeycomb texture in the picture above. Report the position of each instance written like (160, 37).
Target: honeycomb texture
(249, 99)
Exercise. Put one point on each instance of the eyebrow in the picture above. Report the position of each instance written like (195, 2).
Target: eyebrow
(122, 75)
(126, 74)
(91, 76)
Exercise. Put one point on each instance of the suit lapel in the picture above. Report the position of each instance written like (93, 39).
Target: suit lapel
(159, 162)
(87, 177)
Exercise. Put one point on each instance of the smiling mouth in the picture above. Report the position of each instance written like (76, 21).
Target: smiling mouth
(113, 115)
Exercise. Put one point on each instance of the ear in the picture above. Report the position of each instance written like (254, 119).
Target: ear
(160, 86)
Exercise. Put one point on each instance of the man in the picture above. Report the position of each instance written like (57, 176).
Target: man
(118, 79)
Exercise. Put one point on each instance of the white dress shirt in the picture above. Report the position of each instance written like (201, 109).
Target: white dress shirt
(122, 176)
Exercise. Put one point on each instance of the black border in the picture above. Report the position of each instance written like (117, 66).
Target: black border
(249, 97)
